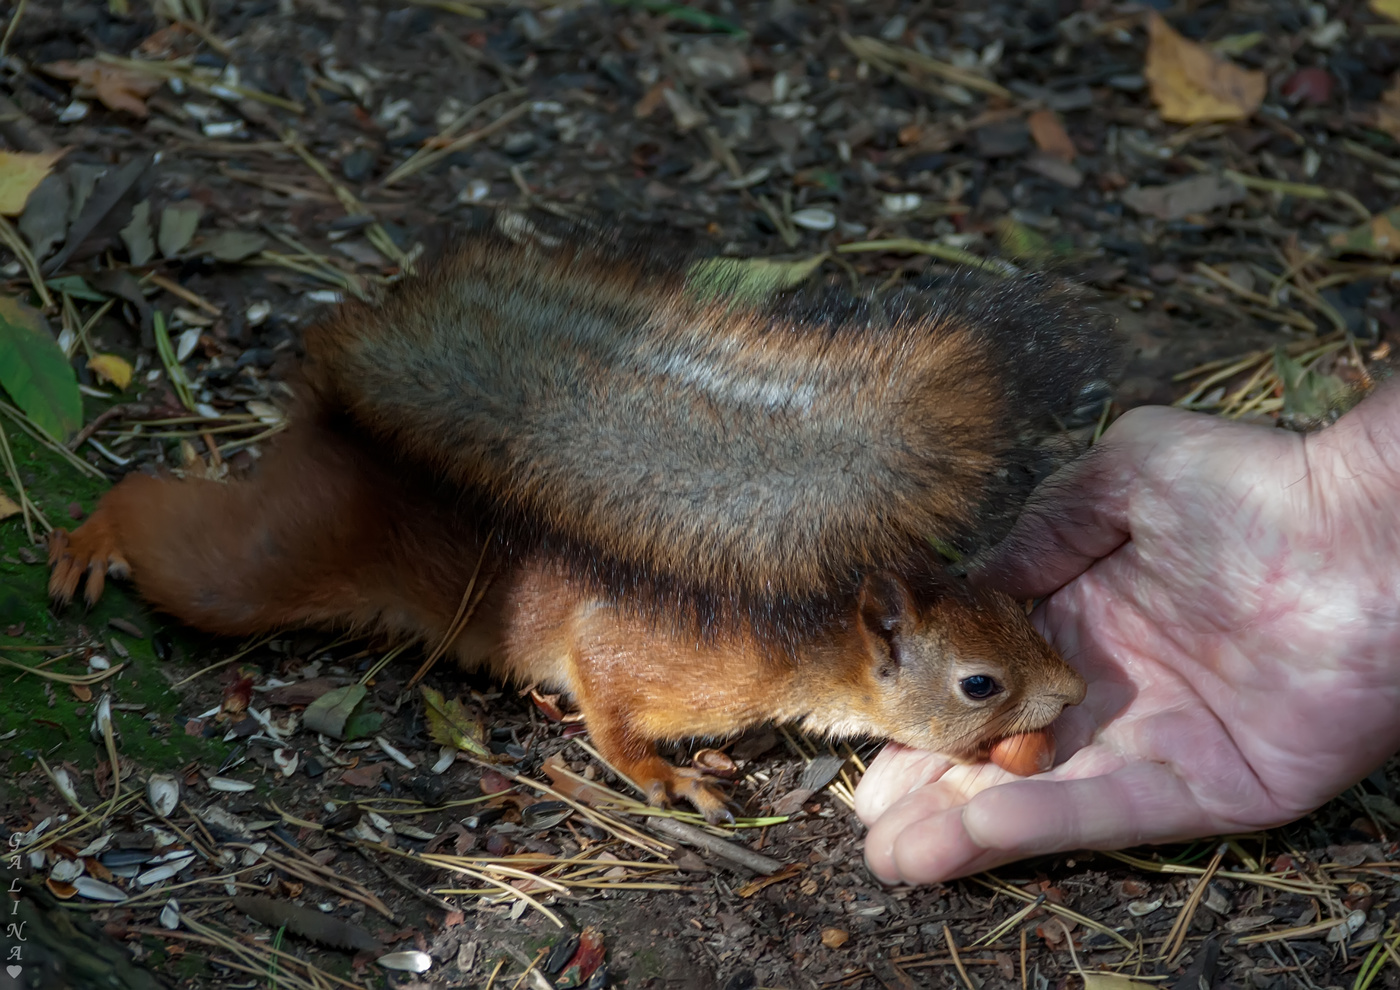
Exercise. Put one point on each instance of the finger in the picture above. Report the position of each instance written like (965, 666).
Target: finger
(893, 774)
(1080, 513)
(928, 836)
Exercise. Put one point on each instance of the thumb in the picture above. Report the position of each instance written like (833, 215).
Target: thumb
(1079, 513)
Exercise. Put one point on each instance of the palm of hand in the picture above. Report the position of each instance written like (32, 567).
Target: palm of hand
(1240, 653)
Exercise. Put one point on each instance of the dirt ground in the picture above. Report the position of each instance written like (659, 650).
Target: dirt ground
(233, 167)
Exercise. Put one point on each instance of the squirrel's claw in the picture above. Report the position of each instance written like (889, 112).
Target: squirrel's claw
(703, 792)
(90, 552)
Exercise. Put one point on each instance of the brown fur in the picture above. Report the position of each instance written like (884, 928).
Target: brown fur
(328, 533)
(749, 456)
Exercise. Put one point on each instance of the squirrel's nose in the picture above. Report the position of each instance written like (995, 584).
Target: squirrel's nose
(1072, 687)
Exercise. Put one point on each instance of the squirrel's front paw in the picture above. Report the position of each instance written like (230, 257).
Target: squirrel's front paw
(703, 791)
(92, 551)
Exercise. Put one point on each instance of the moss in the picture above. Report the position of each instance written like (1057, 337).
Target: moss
(46, 717)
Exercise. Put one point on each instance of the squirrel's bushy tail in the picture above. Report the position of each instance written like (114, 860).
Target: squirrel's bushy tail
(767, 449)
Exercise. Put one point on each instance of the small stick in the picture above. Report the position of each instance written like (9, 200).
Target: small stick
(735, 853)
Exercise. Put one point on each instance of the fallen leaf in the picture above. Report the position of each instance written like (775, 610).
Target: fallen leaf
(571, 786)
(8, 506)
(234, 245)
(329, 713)
(651, 100)
(35, 372)
(1310, 86)
(1237, 44)
(1310, 397)
(20, 174)
(44, 221)
(364, 775)
(237, 694)
(118, 88)
(1021, 242)
(747, 280)
(1387, 113)
(450, 724)
(1113, 981)
(75, 286)
(586, 958)
(136, 235)
(1386, 8)
(301, 692)
(111, 368)
(1050, 135)
(834, 938)
(1380, 237)
(1191, 83)
(1175, 200)
(178, 222)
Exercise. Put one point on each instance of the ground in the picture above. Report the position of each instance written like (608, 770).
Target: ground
(257, 159)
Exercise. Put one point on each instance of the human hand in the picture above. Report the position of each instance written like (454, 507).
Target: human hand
(1231, 593)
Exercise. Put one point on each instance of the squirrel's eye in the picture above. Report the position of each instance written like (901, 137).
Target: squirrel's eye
(979, 687)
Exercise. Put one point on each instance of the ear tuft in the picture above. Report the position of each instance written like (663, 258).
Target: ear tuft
(885, 603)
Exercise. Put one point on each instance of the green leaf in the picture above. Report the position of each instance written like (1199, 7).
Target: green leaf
(178, 223)
(747, 280)
(450, 724)
(1021, 242)
(35, 372)
(234, 245)
(136, 235)
(329, 713)
(1309, 396)
(73, 285)
(363, 724)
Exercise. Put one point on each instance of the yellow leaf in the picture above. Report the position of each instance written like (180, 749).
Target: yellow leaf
(450, 724)
(19, 174)
(8, 506)
(1114, 981)
(1386, 8)
(111, 368)
(1190, 83)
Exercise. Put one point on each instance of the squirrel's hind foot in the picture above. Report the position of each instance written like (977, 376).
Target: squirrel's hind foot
(670, 785)
(89, 551)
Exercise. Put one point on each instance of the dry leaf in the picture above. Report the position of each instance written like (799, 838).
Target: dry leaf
(8, 506)
(1387, 114)
(118, 88)
(1190, 83)
(1199, 194)
(1379, 237)
(111, 368)
(19, 174)
(1113, 981)
(1050, 136)
(1386, 8)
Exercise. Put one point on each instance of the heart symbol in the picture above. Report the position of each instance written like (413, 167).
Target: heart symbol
(14, 971)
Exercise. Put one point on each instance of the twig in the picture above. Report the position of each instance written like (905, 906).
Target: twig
(723, 848)
(419, 162)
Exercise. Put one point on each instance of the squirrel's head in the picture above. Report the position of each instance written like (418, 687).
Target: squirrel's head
(958, 669)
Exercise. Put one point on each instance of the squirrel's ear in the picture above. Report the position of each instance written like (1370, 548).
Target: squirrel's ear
(884, 605)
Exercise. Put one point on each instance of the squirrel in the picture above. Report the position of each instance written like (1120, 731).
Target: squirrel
(693, 506)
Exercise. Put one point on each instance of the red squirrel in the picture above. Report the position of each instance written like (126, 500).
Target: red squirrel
(693, 506)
